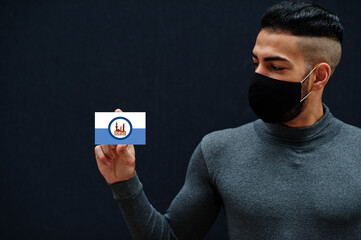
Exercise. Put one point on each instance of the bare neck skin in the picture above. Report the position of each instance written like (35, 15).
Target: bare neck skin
(312, 113)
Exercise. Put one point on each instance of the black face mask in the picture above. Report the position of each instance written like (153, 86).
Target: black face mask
(272, 99)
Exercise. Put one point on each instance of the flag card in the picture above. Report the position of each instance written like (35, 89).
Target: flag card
(120, 128)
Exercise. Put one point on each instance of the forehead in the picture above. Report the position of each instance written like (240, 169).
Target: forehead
(270, 43)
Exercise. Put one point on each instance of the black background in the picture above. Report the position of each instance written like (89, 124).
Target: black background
(185, 63)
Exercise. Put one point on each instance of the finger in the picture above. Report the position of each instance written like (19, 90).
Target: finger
(121, 148)
(127, 156)
(115, 146)
(112, 146)
(108, 151)
(131, 149)
(99, 155)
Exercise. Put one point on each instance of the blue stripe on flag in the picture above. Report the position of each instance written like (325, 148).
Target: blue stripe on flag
(137, 137)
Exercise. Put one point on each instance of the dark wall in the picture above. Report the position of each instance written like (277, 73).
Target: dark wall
(185, 63)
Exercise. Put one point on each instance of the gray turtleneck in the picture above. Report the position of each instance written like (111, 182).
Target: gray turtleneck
(273, 181)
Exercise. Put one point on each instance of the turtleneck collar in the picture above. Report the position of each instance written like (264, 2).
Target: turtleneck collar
(300, 137)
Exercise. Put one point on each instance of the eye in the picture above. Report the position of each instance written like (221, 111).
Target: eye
(277, 68)
(256, 64)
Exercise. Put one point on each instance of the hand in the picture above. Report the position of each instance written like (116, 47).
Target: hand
(115, 162)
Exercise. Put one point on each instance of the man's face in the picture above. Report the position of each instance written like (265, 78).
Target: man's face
(277, 55)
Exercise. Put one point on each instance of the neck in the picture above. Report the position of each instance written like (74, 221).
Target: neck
(300, 137)
(312, 113)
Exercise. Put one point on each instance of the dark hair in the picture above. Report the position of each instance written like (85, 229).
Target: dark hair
(302, 18)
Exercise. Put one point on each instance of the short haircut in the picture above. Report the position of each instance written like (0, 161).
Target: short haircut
(308, 19)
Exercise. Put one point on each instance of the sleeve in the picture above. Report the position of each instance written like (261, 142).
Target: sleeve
(190, 215)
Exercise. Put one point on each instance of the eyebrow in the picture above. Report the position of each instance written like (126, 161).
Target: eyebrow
(273, 58)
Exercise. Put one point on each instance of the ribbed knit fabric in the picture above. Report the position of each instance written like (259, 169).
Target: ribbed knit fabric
(273, 181)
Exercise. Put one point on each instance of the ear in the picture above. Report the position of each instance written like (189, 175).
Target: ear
(323, 73)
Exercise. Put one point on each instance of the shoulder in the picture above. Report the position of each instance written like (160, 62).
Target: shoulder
(350, 132)
(348, 139)
(229, 134)
(352, 129)
(219, 141)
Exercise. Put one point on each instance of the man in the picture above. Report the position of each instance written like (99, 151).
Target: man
(293, 174)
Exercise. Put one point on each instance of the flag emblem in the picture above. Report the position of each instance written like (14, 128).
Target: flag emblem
(120, 127)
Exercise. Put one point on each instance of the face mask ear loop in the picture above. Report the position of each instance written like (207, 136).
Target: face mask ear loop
(308, 75)
(303, 81)
(305, 96)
